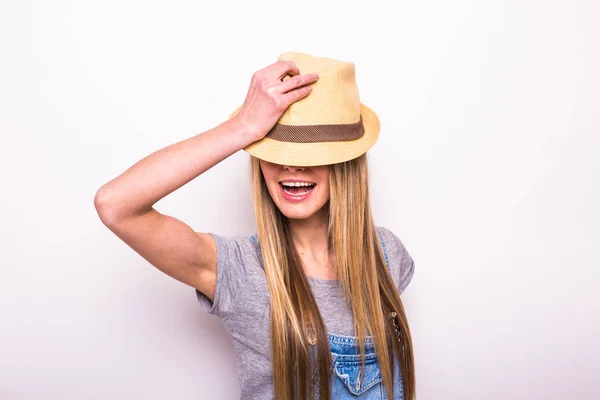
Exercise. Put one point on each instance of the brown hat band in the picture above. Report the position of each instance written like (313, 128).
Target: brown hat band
(317, 133)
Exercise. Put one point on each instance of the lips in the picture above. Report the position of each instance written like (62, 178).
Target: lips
(296, 190)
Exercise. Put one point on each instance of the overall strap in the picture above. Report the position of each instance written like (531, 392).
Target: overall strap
(256, 244)
(393, 314)
(383, 246)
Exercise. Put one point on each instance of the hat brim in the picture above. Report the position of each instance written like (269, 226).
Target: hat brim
(318, 153)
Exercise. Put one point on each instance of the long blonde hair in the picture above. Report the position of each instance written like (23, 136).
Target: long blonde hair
(360, 267)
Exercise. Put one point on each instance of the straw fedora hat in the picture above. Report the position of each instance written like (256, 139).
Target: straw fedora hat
(328, 126)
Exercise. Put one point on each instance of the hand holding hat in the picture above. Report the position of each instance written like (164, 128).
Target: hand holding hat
(269, 96)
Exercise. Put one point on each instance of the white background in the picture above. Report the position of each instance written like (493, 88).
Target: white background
(487, 168)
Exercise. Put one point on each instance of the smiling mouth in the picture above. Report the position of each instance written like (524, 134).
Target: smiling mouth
(297, 188)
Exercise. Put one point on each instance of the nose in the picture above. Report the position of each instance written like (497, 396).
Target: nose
(292, 169)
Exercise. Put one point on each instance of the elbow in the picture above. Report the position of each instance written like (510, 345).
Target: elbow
(104, 207)
(111, 208)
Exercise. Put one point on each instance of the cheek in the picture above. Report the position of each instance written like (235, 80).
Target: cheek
(273, 189)
(265, 172)
(325, 194)
(322, 196)
(324, 178)
(268, 175)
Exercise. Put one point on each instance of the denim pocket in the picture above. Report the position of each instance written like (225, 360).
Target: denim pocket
(353, 382)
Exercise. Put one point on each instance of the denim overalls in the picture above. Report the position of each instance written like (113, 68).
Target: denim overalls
(348, 382)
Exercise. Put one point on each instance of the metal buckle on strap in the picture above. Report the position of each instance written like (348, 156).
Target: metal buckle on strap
(396, 324)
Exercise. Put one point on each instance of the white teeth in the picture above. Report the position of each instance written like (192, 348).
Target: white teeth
(297, 184)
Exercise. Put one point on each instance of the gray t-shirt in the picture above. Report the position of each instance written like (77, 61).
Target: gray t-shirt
(242, 302)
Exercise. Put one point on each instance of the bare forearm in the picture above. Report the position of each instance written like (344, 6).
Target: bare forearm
(137, 189)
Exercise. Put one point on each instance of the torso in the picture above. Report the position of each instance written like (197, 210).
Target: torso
(242, 301)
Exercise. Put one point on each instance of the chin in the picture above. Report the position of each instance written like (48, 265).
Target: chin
(300, 212)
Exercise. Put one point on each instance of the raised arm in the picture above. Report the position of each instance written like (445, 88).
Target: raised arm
(125, 204)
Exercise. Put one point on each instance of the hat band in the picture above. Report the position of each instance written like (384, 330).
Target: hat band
(317, 133)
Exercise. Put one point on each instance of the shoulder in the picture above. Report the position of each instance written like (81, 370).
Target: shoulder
(400, 262)
(391, 241)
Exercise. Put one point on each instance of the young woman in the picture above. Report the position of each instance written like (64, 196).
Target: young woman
(319, 278)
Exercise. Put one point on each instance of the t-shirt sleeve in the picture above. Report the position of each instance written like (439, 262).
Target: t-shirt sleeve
(231, 275)
(402, 266)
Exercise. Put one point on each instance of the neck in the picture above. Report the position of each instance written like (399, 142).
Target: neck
(310, 239)
(310, 235)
